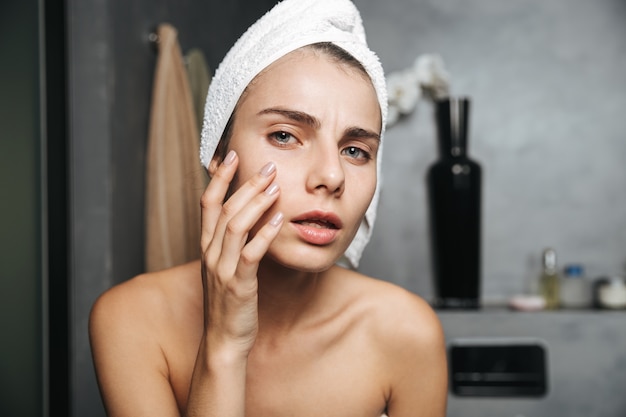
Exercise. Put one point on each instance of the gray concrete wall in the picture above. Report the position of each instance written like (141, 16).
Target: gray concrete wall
(547, 83)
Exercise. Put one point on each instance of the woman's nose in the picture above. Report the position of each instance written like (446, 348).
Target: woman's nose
(326, 171)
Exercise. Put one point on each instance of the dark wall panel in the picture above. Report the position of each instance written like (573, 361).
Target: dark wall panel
(111, 65)
(21, 324)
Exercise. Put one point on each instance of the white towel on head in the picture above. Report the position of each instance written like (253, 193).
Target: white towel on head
(290, 25)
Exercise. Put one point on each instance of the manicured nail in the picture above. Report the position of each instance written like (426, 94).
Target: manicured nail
(277, 219)
(230, 158)
(267, 170)
(272, 189)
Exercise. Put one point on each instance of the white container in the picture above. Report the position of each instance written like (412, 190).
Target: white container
(612, 294)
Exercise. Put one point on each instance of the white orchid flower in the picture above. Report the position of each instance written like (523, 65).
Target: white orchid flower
(403, 90)
(427, 78)
(431, 75)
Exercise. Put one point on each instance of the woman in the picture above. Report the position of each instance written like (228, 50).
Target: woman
(267, 323)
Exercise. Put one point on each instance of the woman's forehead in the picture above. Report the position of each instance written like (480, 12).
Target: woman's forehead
(307, 74)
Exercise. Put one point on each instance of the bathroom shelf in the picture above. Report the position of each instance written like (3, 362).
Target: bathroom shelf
(585, 356)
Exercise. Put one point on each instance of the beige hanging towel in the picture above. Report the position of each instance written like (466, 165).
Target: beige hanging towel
(175, 178)
(199, 79)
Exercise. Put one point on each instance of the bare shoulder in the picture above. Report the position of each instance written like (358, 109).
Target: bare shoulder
(144, 298)
(136, 313)
(410, 342)
(397, 314)
(129, 328)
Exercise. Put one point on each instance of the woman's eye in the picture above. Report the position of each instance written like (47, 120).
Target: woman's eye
(281, 137)
(356, 153)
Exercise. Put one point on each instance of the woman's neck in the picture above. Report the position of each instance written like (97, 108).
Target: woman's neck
(287, 297)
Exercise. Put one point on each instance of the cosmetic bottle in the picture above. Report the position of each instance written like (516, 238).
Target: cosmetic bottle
(575, 290)
(549, 279)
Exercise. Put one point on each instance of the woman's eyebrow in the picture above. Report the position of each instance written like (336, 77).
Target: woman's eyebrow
(295, 115)
(314, 122)
(360, 133)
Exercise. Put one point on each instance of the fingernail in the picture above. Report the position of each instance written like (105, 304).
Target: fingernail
(230, 158)
(272, 189)
(267, 170)
(277, 219)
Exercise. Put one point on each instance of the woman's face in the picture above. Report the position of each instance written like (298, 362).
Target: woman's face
(319, 121)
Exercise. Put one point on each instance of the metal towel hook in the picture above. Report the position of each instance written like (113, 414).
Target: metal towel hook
(153, 37)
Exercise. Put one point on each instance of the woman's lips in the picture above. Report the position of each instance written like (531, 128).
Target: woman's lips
(317, 228)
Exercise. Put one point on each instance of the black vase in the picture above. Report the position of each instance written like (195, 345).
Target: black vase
(454, 192)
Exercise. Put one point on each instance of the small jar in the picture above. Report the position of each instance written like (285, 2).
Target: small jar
(611, 293)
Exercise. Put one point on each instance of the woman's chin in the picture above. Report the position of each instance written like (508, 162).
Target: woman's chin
(306, 261)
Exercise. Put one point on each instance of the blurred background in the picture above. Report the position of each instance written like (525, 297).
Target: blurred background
(548, 94)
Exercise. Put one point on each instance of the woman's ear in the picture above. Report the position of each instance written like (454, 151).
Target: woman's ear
(217, 159)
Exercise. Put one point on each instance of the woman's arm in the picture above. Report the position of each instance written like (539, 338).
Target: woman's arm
(230, 260)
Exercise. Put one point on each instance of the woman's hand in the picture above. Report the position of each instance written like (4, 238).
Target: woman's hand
(230, 256)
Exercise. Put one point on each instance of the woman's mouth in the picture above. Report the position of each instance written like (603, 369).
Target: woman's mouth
(317, 228)
(320, 224)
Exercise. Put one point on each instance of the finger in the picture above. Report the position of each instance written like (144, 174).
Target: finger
(239, 227)
(214, 195)
(242, 197)
(257, 247)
